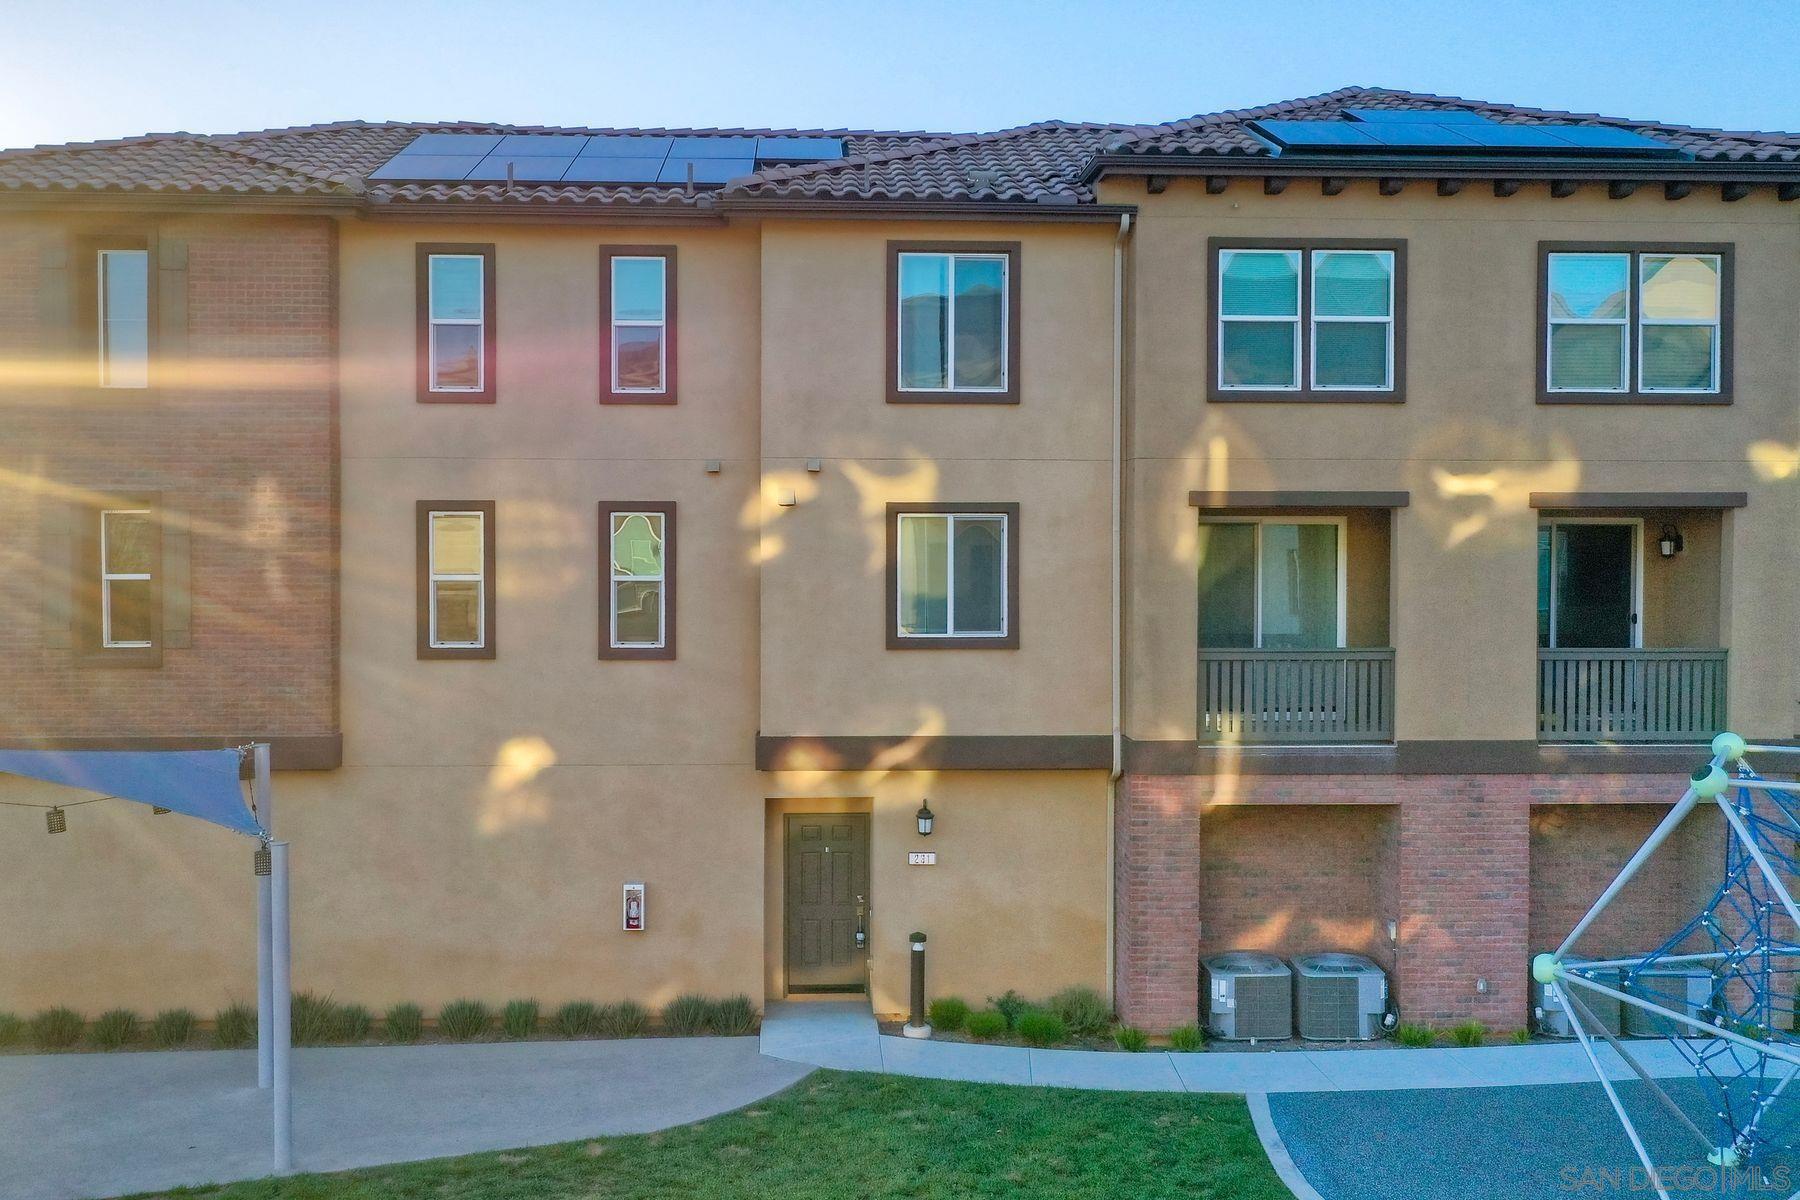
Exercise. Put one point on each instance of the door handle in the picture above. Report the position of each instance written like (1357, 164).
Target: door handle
(862, 930)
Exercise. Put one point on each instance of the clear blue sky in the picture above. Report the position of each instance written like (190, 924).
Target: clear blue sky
(84, 69)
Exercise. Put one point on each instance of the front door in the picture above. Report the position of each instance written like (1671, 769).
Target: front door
(1587, 581)
(827, 909)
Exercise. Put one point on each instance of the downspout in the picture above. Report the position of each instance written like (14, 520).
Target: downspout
(1117, 598)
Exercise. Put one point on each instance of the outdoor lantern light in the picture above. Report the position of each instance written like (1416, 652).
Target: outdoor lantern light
(57, 821)
(925, 818)
(1670, 543)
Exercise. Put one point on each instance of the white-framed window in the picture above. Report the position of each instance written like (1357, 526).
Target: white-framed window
(953, 317)
(1352, 320)
(1344, 297)
(1642, 321)
(127, 578)
(639, 560)
(1275, 583)
(457, 316)
(1678, 322)
(123, 292)
(639, 349)
(457, 556)
(952, 575)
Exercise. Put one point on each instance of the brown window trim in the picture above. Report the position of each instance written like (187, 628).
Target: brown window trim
(1305, 393)
(1631, 395)
(89, 648)
(892, 341)
(490, 582)
(86, 290)
(607, 393)
(896, 642)
(666, 651)
(490, 322)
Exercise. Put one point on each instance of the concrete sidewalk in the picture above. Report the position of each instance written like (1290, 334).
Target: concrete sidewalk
(81, 1125)
(843, 1035)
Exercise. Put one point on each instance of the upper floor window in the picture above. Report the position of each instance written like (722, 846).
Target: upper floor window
(122, 290)
(456, 323)
(953, 575)
(953, 321)
(1627, 323)
(637, 302)
(638, 620)
(1307, 320)
(1276, 584)
(456, 579)
(128, 553)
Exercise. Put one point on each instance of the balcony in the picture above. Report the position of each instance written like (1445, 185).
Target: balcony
(1262, 697)
(1630, 695)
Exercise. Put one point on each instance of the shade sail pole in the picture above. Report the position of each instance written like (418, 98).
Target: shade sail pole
(262, 793)
(279, 1009)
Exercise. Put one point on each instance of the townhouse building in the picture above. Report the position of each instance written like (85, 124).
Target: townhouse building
(694, 560)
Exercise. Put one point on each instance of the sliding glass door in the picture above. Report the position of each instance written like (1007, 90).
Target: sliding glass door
(1589, 582)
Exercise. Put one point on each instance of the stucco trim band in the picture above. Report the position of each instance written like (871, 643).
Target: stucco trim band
(969, 752)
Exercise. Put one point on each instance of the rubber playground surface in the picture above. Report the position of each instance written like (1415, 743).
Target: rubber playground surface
(1534, 1142)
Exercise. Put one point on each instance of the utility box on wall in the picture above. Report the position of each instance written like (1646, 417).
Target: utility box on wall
(633, 905)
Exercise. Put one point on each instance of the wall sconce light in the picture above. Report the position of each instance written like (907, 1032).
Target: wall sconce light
(926, 818)
(1669, 544)
(1393, 932)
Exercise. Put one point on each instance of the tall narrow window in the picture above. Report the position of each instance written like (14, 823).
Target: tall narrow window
(123, 292)
(456, 579)
(1622, 324)
(456, 323)
(637, 618)
(953, 575)
(1272, 584)
(128, 548)
(954, 321)
(637, 295)
(1306, 317)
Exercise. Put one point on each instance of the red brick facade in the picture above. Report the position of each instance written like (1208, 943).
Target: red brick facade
(237, 436)
(1480, 871)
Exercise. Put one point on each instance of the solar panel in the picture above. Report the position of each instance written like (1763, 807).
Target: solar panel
(542, 145)
(706, 170)
(597, 168)
(441, 167)
(452, 143)
(529, 168)
(1516, 137)
(1405, 116)
(601, 158)
(713, 147)
(1421, 136)
(1603, 137)
(798, 149)
(628, 145)
(1316, 133)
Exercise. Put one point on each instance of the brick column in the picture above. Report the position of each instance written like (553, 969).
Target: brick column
(1464, 867)
(1157, 902)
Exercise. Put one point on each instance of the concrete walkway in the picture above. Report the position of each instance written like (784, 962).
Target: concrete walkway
(843, 1035)
(81, 1125)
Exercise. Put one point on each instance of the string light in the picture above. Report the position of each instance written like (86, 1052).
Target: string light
(57, 820)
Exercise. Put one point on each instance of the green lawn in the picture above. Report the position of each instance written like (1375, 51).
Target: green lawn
(837, 1136)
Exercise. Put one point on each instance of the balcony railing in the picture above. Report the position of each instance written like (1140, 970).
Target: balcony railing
(1630, 695)
(1261, 696)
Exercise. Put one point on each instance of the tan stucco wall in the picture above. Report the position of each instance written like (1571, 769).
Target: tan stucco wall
(1018, 898)
(825, 666)
(1469, 443)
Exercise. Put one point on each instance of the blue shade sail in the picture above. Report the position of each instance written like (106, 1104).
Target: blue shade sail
(198, 783)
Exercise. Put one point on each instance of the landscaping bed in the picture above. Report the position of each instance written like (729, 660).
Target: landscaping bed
(321, 1021)
(842, 1136)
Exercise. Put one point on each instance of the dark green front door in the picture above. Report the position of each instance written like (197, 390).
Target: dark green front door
(827, 871)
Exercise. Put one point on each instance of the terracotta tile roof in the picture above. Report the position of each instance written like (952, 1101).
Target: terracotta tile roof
(1047, 163)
